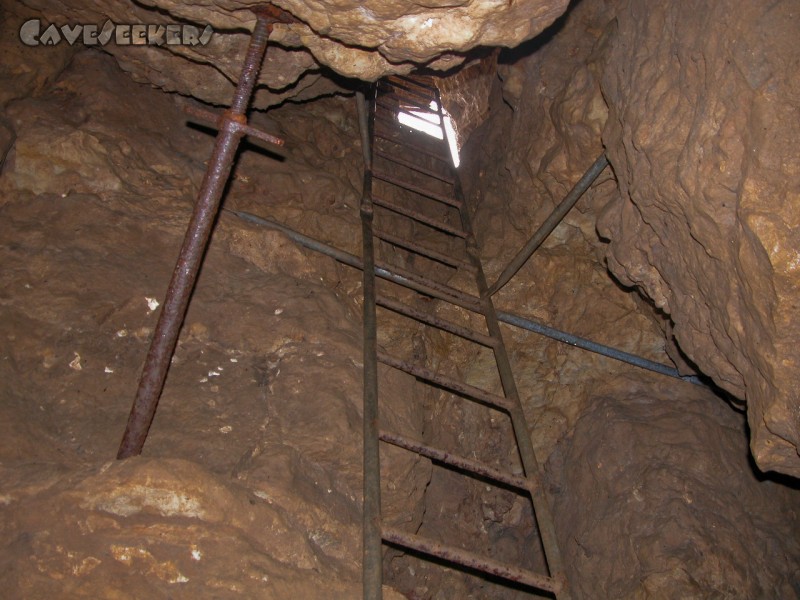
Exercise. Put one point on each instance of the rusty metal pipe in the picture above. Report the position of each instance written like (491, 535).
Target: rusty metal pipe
(193, 249)
(471, 560)
(468, 465)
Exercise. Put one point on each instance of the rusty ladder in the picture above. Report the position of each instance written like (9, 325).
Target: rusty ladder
(391, 153)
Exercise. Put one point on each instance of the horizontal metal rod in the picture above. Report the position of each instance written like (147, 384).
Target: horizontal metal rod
(546, 228)
(438, 322)
(389, 136)
(470, 560)
(421, 250)
(459, 462)
(392, 102)
(409, 90)
(505, 317)
(414, 87)
(419, 217)
(394, 109)
(415, 167)
(388, 272)
(463, 389)
(417, 189)
(579, 342)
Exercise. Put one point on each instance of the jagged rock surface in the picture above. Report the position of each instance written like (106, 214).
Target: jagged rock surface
(702, 131)
(361, 40)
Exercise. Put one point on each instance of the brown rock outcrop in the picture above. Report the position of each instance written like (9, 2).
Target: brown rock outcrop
(703, 102)
(654, 500)
(362, 40)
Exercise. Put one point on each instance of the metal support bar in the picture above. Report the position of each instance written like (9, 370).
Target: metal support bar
(390, 136)
(438, 322)
(462, 389)
(530, 464)
(506, 317)
(162, 346)
(583, 343)
(458, 462)
(550, 223)
(415, 167)
(416, 189)
(392, 103)
(431, 91)
(372, 554)
(470, 560)
(421, 250)
(400, 89)
(419, 217)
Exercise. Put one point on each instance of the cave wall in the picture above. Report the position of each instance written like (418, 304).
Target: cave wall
(238, 490)
(696, 111)
(239, 469)
(655, 491)
(703, 101)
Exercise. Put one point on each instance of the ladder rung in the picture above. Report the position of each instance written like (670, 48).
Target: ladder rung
(417, 80)
(419, 217)
(464, 389)
(387, 135)
(459, 462)
(410, 90)
(415, 167)
(413, 87)
(434, 321)
(393, 109)
(427, 286)
(471, 560)
(422, 250)
(392, 101)
(416, 189)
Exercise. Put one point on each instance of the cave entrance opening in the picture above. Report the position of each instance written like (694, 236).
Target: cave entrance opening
(428, 122)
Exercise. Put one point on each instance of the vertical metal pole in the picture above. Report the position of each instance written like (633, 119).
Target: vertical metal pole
(372, 541)
(194, 245)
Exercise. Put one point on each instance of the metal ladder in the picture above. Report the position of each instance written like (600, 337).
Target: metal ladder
(396, 150)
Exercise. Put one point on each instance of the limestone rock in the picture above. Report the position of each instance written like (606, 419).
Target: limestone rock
(673, 504)
(702, 131)
(362, 40)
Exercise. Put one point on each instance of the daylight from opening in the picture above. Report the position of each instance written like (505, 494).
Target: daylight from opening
(429, 123)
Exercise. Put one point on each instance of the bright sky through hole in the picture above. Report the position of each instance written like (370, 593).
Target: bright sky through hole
(429, 123)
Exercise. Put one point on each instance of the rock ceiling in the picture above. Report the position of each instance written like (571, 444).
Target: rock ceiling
(329, 38)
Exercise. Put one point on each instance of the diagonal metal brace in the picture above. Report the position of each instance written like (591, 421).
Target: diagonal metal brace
(232, 127)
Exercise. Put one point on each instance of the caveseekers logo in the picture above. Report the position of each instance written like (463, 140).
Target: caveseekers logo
(35, 33)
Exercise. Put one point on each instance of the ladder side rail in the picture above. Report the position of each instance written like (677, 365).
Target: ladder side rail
(372, 537)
